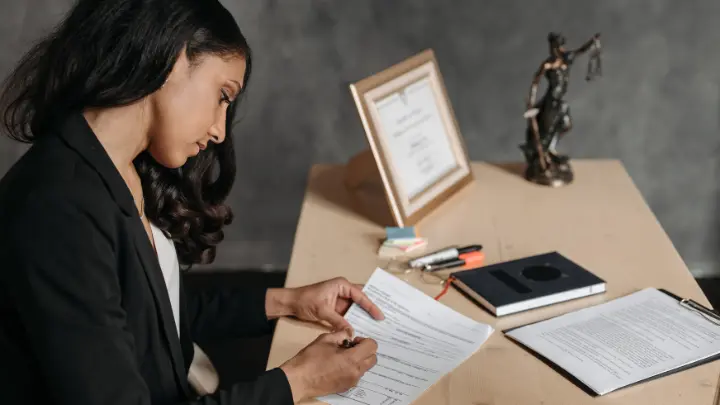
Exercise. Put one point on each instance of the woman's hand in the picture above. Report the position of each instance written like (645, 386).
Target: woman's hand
(325, 301)
(324, 367)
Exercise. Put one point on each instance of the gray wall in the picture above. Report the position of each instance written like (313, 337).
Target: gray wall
(656, 108)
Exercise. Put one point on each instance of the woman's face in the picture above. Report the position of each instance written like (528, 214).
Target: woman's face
(189, 110)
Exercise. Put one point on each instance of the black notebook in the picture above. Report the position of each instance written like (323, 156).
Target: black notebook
(528, 283)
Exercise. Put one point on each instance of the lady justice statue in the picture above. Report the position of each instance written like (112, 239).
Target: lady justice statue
(549, 118)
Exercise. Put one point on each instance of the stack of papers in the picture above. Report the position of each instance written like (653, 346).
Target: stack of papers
(419, 341)
(400, 241)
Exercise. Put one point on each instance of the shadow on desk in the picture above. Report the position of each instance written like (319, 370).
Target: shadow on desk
(363, 195)
(711, 288)
(236, 359)
(366, 200)
(515, 169)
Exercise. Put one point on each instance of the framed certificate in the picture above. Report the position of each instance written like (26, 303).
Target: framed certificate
(413, 136)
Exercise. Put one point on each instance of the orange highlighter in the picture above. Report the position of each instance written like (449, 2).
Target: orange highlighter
(465, 260)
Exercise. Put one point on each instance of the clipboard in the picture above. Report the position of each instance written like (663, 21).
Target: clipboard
(709, 314)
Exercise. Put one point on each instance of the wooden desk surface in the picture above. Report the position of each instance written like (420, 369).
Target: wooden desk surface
(601, 222)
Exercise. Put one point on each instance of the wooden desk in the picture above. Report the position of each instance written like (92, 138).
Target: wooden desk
(601, 221)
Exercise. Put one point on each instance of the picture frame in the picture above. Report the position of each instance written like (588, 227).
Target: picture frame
(413, 135)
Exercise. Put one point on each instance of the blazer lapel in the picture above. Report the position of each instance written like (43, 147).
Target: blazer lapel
(150, 263)
(186, 342)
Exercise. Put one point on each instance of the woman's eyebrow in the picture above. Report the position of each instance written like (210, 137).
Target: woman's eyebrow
(239, 87)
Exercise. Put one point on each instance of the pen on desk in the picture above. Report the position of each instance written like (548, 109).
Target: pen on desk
(443, 255)
(467, 259)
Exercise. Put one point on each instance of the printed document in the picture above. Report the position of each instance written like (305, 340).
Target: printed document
(419, 341)
(624, 341)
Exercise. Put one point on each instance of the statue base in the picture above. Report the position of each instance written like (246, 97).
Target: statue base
(554, 175)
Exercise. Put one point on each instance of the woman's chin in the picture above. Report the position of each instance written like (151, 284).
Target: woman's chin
(170, 162)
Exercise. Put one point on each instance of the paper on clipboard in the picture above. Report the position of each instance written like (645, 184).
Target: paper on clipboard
(624, 341)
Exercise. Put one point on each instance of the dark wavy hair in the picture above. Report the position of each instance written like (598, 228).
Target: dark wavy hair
(108, 53)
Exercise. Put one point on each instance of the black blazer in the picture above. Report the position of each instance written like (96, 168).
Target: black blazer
(84, 312)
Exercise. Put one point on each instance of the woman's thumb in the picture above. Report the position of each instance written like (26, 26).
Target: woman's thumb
(336, 320)
(339, 335)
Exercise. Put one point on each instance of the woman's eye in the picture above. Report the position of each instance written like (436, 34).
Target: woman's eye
(225, 98)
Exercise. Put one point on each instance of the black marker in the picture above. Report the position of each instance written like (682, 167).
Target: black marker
(443, 255)
(467, 259)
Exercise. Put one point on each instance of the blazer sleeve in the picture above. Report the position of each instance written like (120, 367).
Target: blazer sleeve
(69, 299)
(226, 312)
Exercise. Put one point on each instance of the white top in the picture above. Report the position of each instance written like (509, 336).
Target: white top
(171, 270)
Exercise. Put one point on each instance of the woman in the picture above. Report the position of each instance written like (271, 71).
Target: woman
(128, 106)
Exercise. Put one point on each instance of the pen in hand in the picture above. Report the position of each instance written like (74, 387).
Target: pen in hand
(347, 343)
